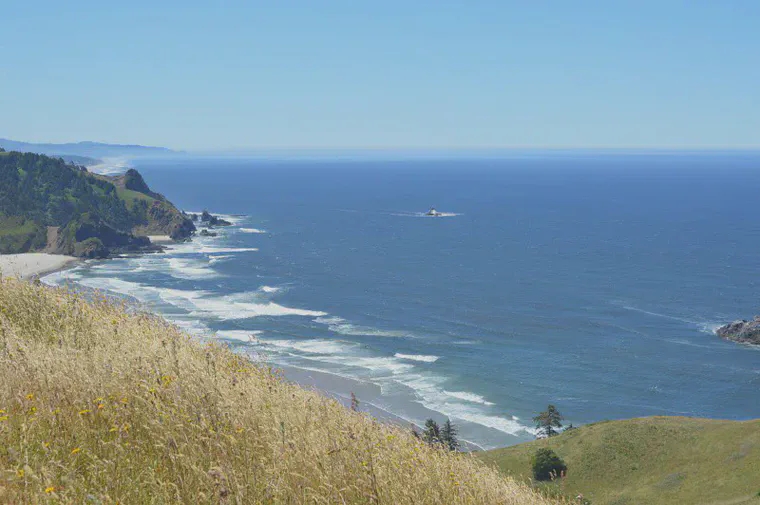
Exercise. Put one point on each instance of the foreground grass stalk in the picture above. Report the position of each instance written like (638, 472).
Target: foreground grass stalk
(98, 405)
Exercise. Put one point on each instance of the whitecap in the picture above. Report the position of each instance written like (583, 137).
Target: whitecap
(214, 250)
(218, 258)
(270, 289)
(314, 346)
(418, 357)
(468, 397)
(252, 230)
(241, 335)
(340, 325)
(185, 268)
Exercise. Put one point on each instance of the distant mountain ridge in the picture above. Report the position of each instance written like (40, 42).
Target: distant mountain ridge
(87, 149)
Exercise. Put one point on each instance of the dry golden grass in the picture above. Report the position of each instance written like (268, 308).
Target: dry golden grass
(101, 406)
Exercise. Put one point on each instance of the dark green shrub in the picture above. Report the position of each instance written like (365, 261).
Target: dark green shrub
(547, 465)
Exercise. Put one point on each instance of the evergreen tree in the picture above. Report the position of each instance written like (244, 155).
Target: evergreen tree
(449, 436)
(432, 432)
(548, 422)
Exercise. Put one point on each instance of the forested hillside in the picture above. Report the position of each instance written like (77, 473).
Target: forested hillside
(46, 202)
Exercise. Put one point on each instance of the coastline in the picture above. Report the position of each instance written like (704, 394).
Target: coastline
(30, 266)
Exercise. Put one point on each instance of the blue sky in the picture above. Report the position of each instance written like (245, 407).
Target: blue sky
(361, 74)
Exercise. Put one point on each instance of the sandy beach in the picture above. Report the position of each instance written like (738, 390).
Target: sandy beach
(32, 265)
(160, 239)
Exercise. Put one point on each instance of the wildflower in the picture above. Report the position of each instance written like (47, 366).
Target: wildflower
(85, 411)
(101, 405)
(56, 412)
(45, 444)
(3, 418)
(20, 474)
(75, 450)
(30, 396)
(49, 490)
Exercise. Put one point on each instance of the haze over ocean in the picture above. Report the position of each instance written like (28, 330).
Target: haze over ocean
(590, 280)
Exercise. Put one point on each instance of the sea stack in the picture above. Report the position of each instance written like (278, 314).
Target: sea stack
(743, 331)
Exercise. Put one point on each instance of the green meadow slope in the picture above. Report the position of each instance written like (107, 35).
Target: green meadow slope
(656, 460)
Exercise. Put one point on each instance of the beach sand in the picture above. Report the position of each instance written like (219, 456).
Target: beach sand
(160, 239)
(32, 265)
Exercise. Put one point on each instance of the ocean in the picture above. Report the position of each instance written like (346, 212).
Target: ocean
(588, 280)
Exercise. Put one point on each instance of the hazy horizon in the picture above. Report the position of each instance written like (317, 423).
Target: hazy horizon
(394, 75)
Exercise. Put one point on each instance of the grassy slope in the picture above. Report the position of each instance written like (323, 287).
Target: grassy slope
(101, 406)
(129, 197)
(658, 460)
(20, 235)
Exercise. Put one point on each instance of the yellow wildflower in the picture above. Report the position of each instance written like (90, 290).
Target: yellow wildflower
(30, 396)
(85, 411)
(20, 474)
(75, 450)
(4, 418)
(49, 490)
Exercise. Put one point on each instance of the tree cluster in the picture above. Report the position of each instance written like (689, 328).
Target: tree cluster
(446, 435)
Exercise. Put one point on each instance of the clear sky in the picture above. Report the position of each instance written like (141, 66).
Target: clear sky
(355, 73)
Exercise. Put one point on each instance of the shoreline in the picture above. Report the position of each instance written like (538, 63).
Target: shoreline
(31, 266)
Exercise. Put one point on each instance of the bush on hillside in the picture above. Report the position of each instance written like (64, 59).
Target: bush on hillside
(547, 465)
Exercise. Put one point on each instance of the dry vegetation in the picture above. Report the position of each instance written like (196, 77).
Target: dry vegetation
(101, 406)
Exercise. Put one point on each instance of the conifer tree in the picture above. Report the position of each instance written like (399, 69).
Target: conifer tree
(549, 422)
(449, 436)
(432, 432)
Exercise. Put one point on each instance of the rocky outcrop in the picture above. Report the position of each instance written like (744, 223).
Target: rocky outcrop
(743, 331)
(87, 237)
(210, 220)
(165, 219)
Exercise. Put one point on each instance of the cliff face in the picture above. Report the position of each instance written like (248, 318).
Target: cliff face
(110, 214)
(743, 331)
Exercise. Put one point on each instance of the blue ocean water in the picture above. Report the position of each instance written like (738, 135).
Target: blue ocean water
(592, 281)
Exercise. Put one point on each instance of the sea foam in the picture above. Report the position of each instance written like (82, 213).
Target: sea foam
(343, 327)
(469, 397)
(418, 357)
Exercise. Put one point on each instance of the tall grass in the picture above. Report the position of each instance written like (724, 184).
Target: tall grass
(98, 405)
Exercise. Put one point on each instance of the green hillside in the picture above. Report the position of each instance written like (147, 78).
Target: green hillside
(657, 460)
(46, 203)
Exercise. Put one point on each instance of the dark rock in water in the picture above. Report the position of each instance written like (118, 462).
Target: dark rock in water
(207, 218)
(743, 331)
(205, 233)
